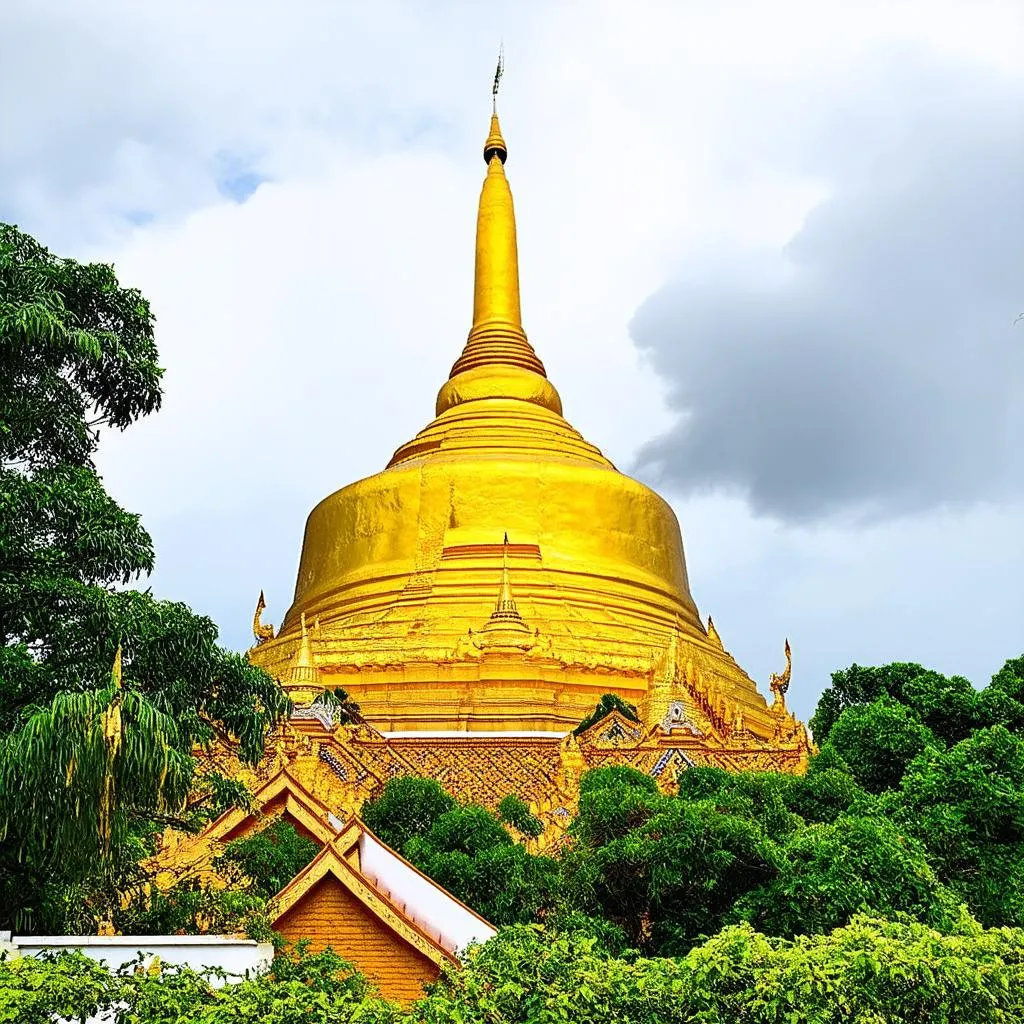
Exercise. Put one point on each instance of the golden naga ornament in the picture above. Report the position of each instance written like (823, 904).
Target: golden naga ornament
(779, 684)
(262, 631)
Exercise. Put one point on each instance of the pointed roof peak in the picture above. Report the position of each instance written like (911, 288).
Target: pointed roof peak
(505, 608)
(495, 145)
(713, 633)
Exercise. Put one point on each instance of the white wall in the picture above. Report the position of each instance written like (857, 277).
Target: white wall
(235, 957)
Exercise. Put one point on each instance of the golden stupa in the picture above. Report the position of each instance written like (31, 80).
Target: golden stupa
(478, 596)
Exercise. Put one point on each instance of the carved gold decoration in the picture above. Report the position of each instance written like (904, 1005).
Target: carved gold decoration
(779, 684)
(263, 631)
(713, 634)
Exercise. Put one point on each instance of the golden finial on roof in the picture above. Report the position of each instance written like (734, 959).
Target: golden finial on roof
(713, 634)
(263, 631)
(505, 627)
(779, 683)
(302, 677)
(505, 608)
(495, 144)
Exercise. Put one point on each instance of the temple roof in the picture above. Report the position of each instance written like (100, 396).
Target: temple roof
(420, 911)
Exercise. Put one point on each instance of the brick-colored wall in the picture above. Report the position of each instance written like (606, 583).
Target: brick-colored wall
(329, 915)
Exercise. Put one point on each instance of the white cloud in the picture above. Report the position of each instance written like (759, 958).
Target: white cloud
(307, 329)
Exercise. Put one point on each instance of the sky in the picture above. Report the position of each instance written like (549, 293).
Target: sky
(771, 255)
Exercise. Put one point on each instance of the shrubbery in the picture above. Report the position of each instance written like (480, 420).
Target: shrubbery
(871, 970)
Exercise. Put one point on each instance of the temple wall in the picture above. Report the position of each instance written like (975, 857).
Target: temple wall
(329, 915)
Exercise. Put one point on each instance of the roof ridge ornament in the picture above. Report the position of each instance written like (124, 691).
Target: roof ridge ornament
(263, 631)
(779, 682)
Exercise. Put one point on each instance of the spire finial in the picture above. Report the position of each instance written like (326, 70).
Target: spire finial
(505, 628)
(506, 606)
(497, 342)
(499, 71)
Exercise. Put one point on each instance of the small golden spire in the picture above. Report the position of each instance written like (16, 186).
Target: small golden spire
(302, 676)
(505, 608)
(497, 335)
(505, 628)
(713, 634)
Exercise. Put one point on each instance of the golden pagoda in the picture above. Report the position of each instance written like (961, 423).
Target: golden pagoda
(480, 594)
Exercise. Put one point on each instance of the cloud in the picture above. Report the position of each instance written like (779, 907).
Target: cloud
(871, 366)
(293, 186)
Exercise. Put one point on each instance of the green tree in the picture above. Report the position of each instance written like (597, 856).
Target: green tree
(877, 741)
(469, 852)
(407, 807)
(77, 356)
(869, 972)
(945, 705)
(514, 811)
(299, 988)
(270, 858)
(1002, 701)
(828, 873)
(966, 805)
(664, 869)
(608, 703)
(827, 791)
(464, 848)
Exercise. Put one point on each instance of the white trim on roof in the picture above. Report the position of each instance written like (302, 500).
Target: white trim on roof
(424, 903)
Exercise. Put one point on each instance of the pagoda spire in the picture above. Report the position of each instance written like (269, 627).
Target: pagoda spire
(505, 628)
(497, 335)
(505, 608)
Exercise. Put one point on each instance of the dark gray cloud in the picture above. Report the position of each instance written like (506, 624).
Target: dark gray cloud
(872, 368)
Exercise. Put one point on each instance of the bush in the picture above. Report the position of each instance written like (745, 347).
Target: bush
(516, 813)
(406, 808)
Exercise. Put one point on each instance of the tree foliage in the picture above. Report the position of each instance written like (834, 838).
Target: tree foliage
(869, 971)
(877, 741)
(270, 858)
(608, 703)
(464, 848)
(515, 812)
(77, 356)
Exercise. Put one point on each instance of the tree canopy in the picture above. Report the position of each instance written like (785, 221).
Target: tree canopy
(77, 357)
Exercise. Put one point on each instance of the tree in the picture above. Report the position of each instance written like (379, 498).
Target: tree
(464, 848)
(877, 741)
(515, 812)
(469, 852)
(826, 792)
(608, 703)
(966, 805)
(1002, 701)
(859, 685)
(77, 355)
(870, 971)
(828, 873)
(407, 807)
(664, 869)
(270, 858)
(299, 987)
